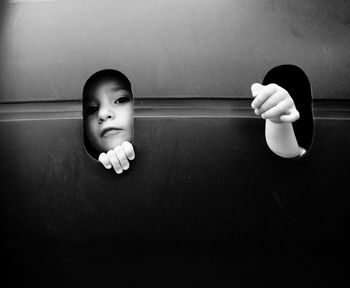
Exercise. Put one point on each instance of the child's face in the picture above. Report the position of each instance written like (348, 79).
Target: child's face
(109, 116)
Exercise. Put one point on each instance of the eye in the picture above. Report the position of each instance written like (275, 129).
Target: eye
(90, 110)
(121, 100)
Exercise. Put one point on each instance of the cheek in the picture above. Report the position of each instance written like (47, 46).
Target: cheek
(126, 118)
(91, 131)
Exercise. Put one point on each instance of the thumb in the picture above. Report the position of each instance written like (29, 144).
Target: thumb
(291, 117)
(255, 88)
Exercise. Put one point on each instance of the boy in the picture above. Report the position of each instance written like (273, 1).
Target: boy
(108, 119)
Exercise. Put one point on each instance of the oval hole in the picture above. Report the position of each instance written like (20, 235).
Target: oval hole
(294, 80)
(108, 111)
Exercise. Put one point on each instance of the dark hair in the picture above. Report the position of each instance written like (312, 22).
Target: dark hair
(103, 76)
(94, 81)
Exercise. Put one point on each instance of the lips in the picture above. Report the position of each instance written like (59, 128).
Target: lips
(110, 130)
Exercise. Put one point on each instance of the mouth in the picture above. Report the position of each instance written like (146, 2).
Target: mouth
(110, 131)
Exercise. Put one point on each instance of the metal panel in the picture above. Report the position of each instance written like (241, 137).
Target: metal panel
(171, 48)
(197, 207)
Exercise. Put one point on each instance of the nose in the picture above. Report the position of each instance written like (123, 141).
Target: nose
(104, 113)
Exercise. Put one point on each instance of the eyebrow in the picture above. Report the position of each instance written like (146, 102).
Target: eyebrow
(118, 88)
(91, 100)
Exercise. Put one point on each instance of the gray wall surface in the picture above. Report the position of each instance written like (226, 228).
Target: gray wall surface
(171, 48)
(192, 211)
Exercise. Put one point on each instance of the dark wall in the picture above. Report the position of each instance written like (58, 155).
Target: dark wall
(170, 48)
(213, 206)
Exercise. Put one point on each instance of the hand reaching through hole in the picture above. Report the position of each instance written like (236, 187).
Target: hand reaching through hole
(118, 158)
(274, 103)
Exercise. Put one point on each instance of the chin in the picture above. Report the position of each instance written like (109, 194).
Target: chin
(115, 141)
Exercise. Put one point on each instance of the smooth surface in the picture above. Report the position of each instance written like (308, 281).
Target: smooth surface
(197, 207)
(170, 48)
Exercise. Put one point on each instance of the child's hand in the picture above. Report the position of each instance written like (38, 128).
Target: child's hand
(118, 158)
(274, 103)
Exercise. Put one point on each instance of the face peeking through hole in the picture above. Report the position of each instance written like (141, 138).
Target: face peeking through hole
(108, 115)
